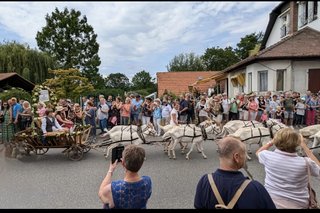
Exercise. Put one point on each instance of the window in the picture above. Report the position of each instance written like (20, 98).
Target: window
(249, 82)
(308, 11)
(280, 80)
(284, 30)
(263, 80)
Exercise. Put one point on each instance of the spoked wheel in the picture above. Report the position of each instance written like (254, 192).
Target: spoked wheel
(85, 147)
(42, 151)
(28, 148)
(75, 153)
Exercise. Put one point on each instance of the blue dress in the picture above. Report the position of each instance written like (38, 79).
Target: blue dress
(128, 195)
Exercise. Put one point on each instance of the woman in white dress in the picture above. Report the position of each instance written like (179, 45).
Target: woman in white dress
(174, 114)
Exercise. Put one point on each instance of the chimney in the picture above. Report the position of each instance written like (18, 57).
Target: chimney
(293, 17)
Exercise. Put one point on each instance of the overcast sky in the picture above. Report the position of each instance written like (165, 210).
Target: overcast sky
(135, 36)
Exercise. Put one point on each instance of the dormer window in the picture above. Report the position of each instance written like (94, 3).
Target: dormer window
(308, 12)
(284, 30)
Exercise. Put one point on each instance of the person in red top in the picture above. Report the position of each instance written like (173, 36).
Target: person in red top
(125, 112)
(253, 108)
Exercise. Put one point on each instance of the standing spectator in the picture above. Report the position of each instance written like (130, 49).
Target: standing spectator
(16, 109)
(312, 105)
(279, 114)
(118, 107)
(228, 179)
(109, 101)
(190, 112)
(25, 117)
(216, 110)
(243, 108)
(252, 108)
(264, 117)
(226, 108)
(146, 110)
(7, 130)
(288, 106)
(307, 96)
(233, 113)
(136, 109)
(174, 114)
(273, 106)
(300, 111)
(157, 116)
(165, 112)
(103, 115)
(202, 110)
(268, 99)
(184, 107)
(286, 173)
(125, 112)
(84, 102)
(133, 191)
(261, 107)
(90, 118)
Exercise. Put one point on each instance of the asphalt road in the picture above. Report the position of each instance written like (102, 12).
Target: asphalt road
(53, 181)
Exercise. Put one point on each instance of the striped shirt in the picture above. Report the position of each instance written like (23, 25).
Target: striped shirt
(287, 175)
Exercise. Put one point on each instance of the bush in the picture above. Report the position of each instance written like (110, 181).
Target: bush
(15, 92)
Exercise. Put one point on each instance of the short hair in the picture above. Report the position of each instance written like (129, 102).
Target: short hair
(90, 103)
(287, 140)
(14, 99)
(133, 157)
(48, 111)
(228, 145)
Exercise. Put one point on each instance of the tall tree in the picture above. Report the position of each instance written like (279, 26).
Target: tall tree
(71, 40)
(69, 83)
(30, 63)
(186, 62)
(248, 43)
(142, 80)
(117, 80)
(217, 59)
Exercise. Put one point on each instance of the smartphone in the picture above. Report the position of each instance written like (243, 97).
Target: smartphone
(117, 153)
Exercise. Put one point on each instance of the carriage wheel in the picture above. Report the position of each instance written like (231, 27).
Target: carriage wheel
(42, 151)
(75, 153)
(28, 148)
(85, 148)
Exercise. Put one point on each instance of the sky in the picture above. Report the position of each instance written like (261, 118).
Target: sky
(136, 36)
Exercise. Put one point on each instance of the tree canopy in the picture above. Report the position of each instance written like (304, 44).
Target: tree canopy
(29, 63)
(248, 43)
(185, 62)
(72, 42)
(69, 83)
(143, 80)
(117, 80)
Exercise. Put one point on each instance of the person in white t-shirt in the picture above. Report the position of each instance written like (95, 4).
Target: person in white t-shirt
(286, 173)
(174, 114)
(202, 110)
(226, 107)
(165, 113)
(102, 115)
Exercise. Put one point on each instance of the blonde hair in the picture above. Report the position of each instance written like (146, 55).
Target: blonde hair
(26, 102)
(287, 140)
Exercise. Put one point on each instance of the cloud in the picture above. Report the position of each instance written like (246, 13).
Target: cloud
(144, 35)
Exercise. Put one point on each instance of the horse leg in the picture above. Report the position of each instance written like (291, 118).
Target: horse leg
(172, 148)
(201, 148)
(187, 155)
(249, 149)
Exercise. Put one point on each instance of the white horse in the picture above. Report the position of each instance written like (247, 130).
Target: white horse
(232, 126)
(316, 140)
(275, 126)
(250, 135)
(128, 137)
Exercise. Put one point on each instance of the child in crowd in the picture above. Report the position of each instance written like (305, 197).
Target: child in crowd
(264, 117)
(279, 114)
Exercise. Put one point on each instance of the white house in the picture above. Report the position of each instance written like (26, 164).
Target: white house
(289, 57)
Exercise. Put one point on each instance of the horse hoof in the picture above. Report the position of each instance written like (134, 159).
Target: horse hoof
(187, 158)
(205, 157)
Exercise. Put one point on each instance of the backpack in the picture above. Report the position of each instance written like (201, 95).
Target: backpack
(221, 204)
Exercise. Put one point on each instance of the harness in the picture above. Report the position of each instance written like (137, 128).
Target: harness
(204, 132)
(259, 136)
(246, 124)
(194, 132)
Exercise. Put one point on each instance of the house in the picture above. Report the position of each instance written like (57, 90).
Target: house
(180, 82)
(13, 79)
(289, 57)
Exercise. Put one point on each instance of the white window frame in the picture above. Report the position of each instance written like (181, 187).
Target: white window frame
(285, 24)
(283, 80)
(249, 82)
(307, 12)
(260, 84)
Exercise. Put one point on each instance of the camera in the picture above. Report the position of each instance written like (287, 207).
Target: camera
(201, 107)
(117, 153)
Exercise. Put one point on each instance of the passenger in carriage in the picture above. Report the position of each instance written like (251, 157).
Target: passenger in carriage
(49, 123)
(62, 119)
(41, 109)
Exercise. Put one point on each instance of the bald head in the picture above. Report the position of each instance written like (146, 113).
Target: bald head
(229, 145)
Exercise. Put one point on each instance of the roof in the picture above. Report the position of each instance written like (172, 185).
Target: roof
(304, 43)
(272, 19)
(15, 80)
(178, 82)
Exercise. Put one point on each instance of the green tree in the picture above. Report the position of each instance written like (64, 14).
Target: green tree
(69, 83)
(143, 80)
(29, 63)
(217, 59)
(72, 42)
(117, 80)
(248, 43)
(186, 62)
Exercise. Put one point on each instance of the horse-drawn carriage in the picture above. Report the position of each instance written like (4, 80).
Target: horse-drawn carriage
(31, 140)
